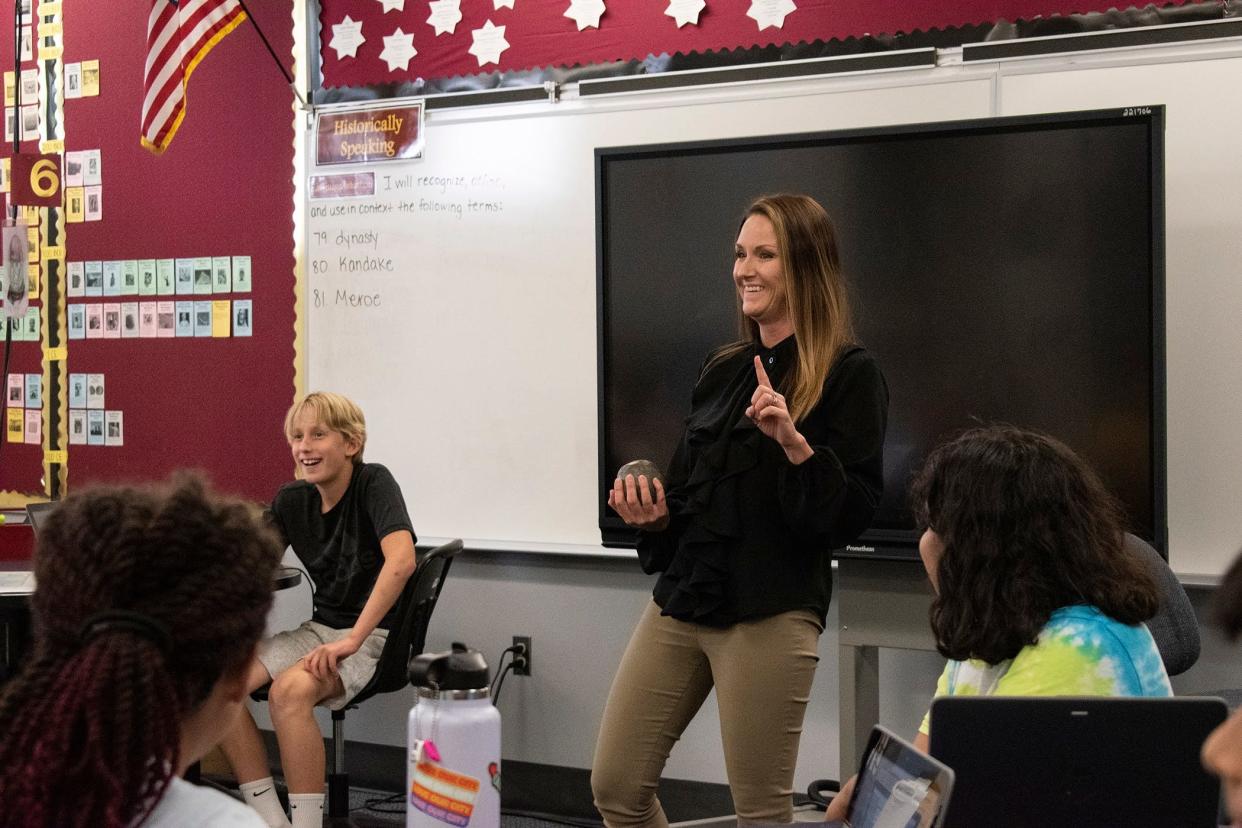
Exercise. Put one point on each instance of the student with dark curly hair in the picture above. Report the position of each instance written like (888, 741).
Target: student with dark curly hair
(150, 602)
(1036, 594)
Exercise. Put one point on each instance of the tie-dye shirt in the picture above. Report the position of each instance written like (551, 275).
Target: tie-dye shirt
(1080, 652)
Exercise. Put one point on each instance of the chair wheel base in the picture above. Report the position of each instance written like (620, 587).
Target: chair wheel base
(338, 794)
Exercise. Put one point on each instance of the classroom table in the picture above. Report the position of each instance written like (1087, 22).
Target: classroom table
(15, 612)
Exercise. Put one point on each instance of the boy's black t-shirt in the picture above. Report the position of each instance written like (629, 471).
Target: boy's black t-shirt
(341, 548)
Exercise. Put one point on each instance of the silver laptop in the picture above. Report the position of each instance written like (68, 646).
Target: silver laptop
(898, 786)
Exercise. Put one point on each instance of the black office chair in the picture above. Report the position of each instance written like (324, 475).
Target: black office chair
(405, 640)
(1174, 627)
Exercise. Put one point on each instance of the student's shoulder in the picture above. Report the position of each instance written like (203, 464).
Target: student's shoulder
(375, 480)
(370, 474)
(186, 806)
(295, 491)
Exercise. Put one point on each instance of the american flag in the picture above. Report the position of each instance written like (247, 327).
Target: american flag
(180, 33)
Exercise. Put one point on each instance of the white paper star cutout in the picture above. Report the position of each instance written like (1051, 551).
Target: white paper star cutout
(685, 11)
(445, 15)
(390, 5)
(770, 13)
(489, 42)
(398, 49)
(585, 12)
(347, 37)
(500, 4)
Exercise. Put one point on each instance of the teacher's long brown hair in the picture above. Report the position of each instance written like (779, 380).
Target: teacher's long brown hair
(815, 289)
(145, 598)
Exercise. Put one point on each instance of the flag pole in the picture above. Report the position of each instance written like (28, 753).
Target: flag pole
(272, 52)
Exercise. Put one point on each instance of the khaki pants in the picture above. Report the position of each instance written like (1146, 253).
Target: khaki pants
(762, 671)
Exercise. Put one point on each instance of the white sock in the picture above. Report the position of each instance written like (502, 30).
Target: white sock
(261, 795)
(306, 810)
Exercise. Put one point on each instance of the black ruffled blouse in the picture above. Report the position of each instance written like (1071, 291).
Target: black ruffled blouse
(750, 533)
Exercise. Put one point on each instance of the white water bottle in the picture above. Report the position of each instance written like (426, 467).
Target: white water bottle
(453, 772)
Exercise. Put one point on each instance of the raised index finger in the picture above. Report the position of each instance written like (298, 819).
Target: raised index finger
(761, 374)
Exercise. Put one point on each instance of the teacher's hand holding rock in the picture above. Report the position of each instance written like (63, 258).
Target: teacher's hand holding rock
(639, 500)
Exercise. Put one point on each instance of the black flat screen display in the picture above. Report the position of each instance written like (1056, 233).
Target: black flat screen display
(1005, 270)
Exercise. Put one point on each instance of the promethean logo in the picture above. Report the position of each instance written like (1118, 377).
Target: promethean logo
(859, 548)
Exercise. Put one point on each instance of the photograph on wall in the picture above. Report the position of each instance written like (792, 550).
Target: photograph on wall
(76, 314)
(223, 279)
(73, 80)
(90, 78)
(30, 86)
(185, 319)
(17, 391)
(73, 169)
(94, 321)
(146, 319)
(146, 277)
(112, 320)
(34, 390)
(202, 275)
(30, 122)
(94, 390)
(16, 243)
(92, 167)
(202, 318)
(112, 278)
(241, 274)
(115, 433)
(34, 426)
(166, 319)
(75, 279)
(242, 318)
(129, 320)
(77, 427)
(77, 390)
(94, 203)
(185, 276)
(165, 270)
(129, 277)
(95, 427)
(75, 205)
(94, 278)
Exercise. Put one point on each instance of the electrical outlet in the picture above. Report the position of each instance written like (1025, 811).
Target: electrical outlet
(520, 667)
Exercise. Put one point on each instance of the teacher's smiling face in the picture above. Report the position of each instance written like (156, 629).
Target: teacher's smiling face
(759, 273)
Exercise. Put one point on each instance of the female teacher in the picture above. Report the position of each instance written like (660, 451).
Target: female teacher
(780, 463)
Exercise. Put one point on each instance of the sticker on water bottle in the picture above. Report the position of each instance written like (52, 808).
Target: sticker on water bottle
(443, 794)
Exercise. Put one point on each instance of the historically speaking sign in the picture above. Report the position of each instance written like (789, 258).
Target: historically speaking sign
(368, 136)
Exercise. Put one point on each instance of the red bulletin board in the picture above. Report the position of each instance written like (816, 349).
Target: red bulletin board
(540, 35)
(223, 188)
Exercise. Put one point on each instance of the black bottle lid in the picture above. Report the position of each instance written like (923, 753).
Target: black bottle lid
(461, 668)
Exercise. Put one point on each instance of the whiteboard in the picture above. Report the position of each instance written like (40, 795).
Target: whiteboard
(475, 357)
(477, 367)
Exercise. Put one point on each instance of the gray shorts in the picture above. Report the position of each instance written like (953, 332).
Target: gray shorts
(285, 649)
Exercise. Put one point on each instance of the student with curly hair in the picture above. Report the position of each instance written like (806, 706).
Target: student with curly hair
(150, 602)
(1036, 594)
